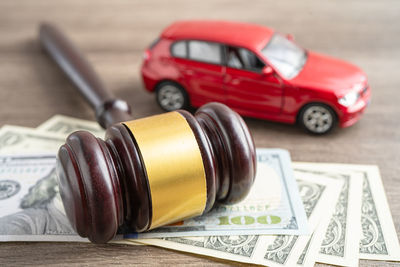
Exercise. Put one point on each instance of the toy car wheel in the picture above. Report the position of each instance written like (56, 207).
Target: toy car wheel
(171, 96)
(317, 118)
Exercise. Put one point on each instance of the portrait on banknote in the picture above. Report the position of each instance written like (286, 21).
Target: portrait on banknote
(41, 210)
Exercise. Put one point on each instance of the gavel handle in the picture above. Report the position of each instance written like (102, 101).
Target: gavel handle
(108, 109)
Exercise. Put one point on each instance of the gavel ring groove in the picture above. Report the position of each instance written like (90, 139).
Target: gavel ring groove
(155, 171)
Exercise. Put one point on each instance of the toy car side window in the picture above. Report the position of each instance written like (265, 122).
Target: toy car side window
(205, 52)
(179, 49)
(233, 58)
(241, 58)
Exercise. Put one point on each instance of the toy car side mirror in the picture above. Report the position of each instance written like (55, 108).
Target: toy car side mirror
(290, 37)
(267, 70)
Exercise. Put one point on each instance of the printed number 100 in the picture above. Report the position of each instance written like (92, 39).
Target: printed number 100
(246, 220)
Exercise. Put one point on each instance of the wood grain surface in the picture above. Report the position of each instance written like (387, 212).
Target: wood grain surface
(114, 34)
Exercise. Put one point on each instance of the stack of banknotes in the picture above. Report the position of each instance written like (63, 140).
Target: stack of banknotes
(296, 214)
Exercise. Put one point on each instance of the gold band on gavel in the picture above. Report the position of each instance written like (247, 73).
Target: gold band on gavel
(174, 167)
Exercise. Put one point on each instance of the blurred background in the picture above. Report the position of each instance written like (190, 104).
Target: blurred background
(114, 34)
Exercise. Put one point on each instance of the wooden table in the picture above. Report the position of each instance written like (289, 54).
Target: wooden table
(114, 34)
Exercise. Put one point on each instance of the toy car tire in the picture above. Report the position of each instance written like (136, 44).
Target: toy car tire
(171, 96)
(317, 118)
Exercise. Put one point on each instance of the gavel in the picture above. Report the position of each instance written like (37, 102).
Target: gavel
(147, 172)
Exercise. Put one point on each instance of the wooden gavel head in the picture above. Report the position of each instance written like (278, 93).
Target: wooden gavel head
(155, 171)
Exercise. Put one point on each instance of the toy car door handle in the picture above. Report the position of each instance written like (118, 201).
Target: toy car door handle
(230, 80)
(235, 81)
(189, 72)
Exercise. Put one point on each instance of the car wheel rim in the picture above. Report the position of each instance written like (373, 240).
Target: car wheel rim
(170, 97)
(317, 119)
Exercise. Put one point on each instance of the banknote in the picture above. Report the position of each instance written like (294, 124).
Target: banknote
(340, 243)
(21, 166)
(65, 125)
(273, 206)
(318, 196)
(379, 240)
(303, 250)
(285, 212)
(310, 251)
(16, 139)
(30, 205)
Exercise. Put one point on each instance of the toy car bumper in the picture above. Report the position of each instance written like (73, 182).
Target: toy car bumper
(353, 113)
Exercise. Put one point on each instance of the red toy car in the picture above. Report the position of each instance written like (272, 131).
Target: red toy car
(256, 71)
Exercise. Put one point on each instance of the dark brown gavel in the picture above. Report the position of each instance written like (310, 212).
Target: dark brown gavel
(147, 172)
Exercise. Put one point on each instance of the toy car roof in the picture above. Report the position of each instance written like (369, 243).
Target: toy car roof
(234, 33)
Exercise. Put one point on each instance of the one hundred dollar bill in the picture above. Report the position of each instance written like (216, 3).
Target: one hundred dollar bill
(379, 240)
(303, 250)
(318, 196)
(30, 205)
(340, 242)
(273, 206)
(310, 251)
(19, 140)
(64, 125)
(32, 181)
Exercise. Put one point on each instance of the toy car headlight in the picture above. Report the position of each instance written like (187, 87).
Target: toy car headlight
(349, 99)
